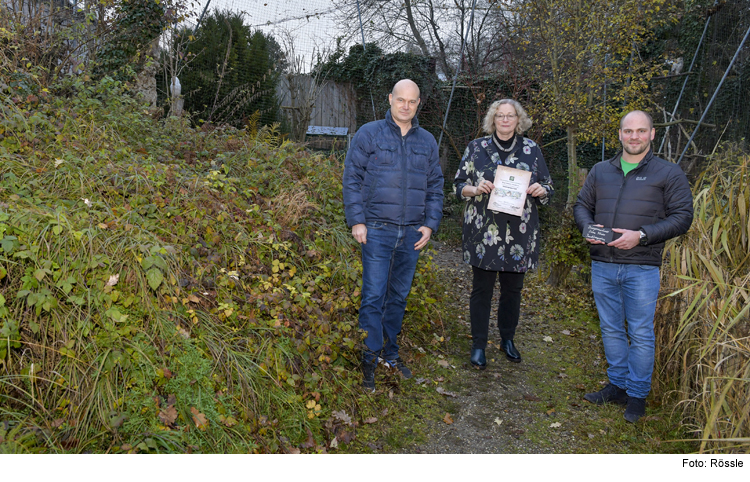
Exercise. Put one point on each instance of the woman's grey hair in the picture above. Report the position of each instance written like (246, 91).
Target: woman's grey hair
(524, 121)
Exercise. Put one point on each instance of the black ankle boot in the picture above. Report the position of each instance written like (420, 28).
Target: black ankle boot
(478, 359)
(511, 353)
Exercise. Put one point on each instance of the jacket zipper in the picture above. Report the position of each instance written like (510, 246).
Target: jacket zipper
(617, 204)
(403, 177)
(404, 173)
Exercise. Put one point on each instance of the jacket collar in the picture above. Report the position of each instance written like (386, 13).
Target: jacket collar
(615, 161)
(392, 123)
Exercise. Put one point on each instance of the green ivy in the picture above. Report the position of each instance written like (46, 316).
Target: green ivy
(137, 24)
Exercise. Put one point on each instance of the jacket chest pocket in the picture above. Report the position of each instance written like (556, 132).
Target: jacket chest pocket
(419, 158)
(386, 153)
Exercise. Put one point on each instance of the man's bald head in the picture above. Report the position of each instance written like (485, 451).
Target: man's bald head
(636, 113)
(407, 84)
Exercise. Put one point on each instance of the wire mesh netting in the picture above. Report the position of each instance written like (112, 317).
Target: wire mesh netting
(715, 55)
(424, 40)
(327, 66)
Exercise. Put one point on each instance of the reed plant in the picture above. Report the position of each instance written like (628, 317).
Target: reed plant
(703, 322)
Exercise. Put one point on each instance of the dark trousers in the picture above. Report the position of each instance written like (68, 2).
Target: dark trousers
(480, 304)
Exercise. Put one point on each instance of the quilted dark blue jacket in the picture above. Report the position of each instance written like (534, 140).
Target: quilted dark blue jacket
(393, 179)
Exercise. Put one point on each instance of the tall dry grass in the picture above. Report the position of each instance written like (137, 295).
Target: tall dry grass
(703, 327)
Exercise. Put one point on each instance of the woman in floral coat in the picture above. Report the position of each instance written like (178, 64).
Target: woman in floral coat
(499, 245)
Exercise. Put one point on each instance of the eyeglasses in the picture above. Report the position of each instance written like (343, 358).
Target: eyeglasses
(505, 116)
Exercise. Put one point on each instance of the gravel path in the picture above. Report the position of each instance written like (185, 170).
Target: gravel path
(535, 406)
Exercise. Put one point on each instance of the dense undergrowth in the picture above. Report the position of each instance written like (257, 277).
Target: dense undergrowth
(703, 326)
(170, 289)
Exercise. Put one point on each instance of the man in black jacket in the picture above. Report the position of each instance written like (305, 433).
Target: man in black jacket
(645, 201)
(393, 201)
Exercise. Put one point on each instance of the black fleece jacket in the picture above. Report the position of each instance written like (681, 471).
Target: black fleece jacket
(655, 197)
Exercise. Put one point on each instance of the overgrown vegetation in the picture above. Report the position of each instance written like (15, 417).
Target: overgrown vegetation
(166, 289)
(703, 324)
(173, 289)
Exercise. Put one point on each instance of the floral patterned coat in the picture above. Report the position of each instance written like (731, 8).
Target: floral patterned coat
(498, 241)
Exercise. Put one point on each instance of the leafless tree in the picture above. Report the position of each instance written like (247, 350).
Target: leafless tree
(304, 83)
(435, 28)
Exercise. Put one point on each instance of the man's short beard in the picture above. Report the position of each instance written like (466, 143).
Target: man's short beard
(645, 148)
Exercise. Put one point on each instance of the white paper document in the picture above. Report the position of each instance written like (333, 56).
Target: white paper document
(509, 195)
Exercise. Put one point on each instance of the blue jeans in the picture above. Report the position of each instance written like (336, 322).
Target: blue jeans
(627, 292)
(388, 264)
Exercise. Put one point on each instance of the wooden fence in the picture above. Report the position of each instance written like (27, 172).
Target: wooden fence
(334, 107)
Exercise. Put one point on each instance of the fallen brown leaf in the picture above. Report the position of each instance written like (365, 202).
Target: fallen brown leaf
(342, 416)
(531, 398)
(448, 419)
(442, 391)
(200, 419)
(168, 416)
(310, 442)
(370, 420)
(345, 436)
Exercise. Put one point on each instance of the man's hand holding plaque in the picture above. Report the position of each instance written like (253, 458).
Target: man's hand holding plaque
(598, 234)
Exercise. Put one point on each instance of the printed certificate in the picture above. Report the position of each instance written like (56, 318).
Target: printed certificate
(509, 195)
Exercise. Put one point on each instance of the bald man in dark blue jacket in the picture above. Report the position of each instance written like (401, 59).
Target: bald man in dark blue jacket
(393, 200)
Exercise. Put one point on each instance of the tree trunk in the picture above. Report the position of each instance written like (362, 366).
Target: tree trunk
(415, 30)
(558, 274)
(574, 183)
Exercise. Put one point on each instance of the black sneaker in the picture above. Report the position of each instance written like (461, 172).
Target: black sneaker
(399, 365)
(635, 410)
(609, 394)
(368, 373)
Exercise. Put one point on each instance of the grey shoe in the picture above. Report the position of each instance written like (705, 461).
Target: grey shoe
(609, 394)
(635, 410)
(399, 365)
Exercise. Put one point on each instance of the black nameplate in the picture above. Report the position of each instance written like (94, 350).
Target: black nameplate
(605, 235)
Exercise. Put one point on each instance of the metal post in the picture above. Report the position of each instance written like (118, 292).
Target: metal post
(684, 83)
(201, 17)
(713, 97)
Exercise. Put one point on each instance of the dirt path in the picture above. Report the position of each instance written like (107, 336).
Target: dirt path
(535, 406)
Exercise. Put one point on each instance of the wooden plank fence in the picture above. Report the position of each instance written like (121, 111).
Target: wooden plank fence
(334, 107)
